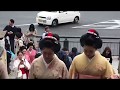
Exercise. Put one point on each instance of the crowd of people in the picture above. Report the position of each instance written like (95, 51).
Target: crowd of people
(47, 60)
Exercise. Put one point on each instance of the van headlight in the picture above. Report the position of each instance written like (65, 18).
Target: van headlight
(48, 18)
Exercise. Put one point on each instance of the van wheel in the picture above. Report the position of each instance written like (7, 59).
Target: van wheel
(54, 22)
(76, 19)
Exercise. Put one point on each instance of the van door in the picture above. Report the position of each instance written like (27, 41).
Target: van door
(62, 17)
(71, 16)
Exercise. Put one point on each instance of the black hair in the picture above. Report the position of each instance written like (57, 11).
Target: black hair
(19, 30)
(31, 27)
(19, 52)
(74, 50)
(37, 55)
(18, 34)
(104, 52)
(7, 46)
(22, 48)
(12, 21)
(91, 40)
(56, 36)
(30, 44)
(64, 49)
(50, 43)
(47, 27)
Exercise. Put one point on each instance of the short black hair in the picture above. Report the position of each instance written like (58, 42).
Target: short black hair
(19, 29)
(22, 48)
(74, 49)
(19, 52)
(30, 44)
(12, 21)
(18, 34)
(91, 40)
(47, 27)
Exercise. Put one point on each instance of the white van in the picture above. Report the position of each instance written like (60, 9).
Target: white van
(57, 17)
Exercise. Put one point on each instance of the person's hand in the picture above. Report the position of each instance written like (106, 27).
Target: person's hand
(29, 34)
(21, 62)
(11, 32)
(8, 32)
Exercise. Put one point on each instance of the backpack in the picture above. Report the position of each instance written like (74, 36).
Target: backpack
(13, 56)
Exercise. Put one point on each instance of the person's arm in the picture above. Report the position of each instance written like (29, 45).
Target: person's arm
(5, 29)
(35, 32)
(109, 70)
(65, 74)
(31, 72)
(3, 71)
(72, 71)
(28, 33)
(43, 35)
(16, 65)
(27, 65)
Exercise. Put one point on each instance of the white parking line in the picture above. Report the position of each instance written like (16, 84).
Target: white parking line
(25, 24)
(99, 26)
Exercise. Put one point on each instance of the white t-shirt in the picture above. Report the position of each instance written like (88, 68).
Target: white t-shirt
(43, 35)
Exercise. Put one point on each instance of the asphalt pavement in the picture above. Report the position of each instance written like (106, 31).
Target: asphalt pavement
(24, 18)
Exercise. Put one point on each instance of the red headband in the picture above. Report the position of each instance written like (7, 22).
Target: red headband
(92, 31)
(50, 35)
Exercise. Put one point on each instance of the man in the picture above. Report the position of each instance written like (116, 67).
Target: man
(10, 32)
(62, 55)
(47, 30)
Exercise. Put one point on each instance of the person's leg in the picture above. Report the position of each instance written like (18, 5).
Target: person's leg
(12, 45)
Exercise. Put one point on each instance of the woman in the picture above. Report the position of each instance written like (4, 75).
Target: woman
(18, 41)
(90, 64)
(31, 52)
(107, 54)
(31, 34)
(23, 50)
(48, 65)
(21, 66)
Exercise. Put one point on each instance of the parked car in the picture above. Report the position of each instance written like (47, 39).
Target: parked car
(57, 17)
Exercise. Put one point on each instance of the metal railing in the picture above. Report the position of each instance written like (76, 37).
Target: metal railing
(112, 42)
